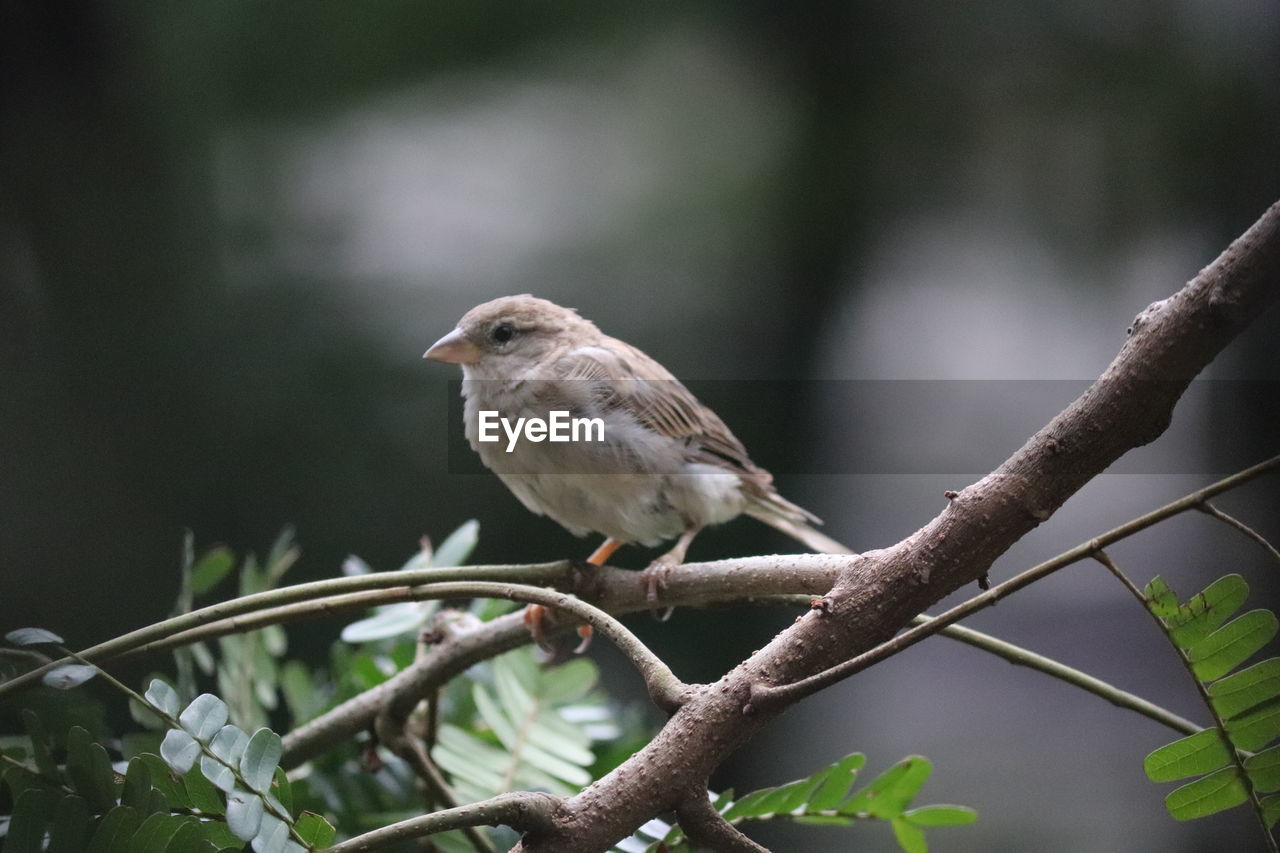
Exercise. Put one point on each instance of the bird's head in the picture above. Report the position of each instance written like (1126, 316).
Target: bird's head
(510, 336)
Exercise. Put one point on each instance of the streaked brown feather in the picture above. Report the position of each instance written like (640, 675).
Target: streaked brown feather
(632, 381)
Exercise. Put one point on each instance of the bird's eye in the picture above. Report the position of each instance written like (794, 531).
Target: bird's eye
(503, 332)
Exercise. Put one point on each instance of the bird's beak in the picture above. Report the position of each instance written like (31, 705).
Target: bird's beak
(453, 348)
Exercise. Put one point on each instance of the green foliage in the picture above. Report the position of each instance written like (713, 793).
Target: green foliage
(246, 667)
(206, 778)
(393, 620)
(213, 788)
(532, 729)
(1244, 706)
(827, 797)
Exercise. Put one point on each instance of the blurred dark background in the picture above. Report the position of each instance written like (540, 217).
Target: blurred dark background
(228, 231)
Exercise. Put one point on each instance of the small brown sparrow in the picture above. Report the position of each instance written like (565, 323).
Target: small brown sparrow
(666, 466)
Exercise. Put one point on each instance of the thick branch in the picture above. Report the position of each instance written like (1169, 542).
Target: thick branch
(1130, 405)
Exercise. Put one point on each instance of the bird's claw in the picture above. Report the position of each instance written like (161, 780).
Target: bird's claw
(655, 578)
(535, 618)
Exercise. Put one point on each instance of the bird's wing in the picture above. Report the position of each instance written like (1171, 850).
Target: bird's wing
(626, 379)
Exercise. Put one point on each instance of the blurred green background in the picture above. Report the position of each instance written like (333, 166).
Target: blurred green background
(228, 231)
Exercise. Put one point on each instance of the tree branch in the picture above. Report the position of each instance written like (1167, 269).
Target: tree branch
(708, 829)
(664, 688)
(1019, 656)
(1130, 405)
(524, 811)
(764, 695)
(1230, 520)
(615, 590)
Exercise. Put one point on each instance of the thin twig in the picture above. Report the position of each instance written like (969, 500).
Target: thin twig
(1023, 657)
(666, 690)
(1019, 656)
(524, 811)
(538, 574)
(1211, 510)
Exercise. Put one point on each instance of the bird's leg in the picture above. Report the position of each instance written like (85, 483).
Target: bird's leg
(535, 615)
(655, 577)
(600, 555)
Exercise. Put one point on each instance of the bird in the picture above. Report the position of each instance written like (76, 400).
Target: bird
(665, 467)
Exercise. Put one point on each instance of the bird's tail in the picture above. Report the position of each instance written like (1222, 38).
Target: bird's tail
(781, 514)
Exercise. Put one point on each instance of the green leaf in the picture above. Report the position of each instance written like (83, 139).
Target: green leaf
(1207, 795)
(750, 805)
(89, 769)
(227, 746)
(186, 839)
(179, 750)
(137, 786)
(314, 830)
(1160, 599)
(1264, 770)
(467, 759)
(69, 675)
(115, 829)
(522, 744)
(836, 782)
(794, 796)
(71, 827)
(1232, 644)
(457, 547)
(546, 744)
(283, 554)
(941, 815)
(1271, 809)
(155, 833)
(261, 755)
(390, 620)
(163, 697)
(1256, 729)
(301, 695)
(211, 568)
(39, 743)
(20, 779)
(204, 717)
(1193, 755)
(909, 837)
(31, 814)
(282, 789)
(892, 791)
(162, 779)
(1208, 609)
(272, 836)
(203, 795)
(570, 681)
(32, 637)
(244, 814)
(1241, 691)
(353, 566)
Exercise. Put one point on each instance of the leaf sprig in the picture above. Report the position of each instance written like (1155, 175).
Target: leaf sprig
(1246, 716)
